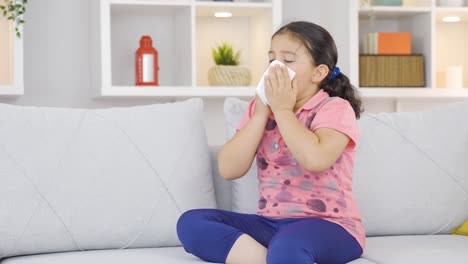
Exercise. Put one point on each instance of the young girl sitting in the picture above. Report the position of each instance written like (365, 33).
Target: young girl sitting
(305, 143)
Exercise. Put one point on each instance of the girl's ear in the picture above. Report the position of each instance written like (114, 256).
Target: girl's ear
(320, 73)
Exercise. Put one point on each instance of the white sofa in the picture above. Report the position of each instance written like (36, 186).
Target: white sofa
(108, 185)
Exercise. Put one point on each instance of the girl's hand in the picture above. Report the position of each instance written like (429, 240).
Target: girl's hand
(281, 93)
(260, 108)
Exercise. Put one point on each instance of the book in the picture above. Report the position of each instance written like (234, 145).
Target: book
(394, 43)
(387, 43)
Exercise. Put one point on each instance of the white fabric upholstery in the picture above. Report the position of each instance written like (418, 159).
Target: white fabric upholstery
(170, 255)
(97, 179)
(222, 187)
(411, 171)
(244, 190)
(361, 261)
(418, 249)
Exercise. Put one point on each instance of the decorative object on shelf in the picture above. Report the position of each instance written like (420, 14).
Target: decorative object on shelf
(455, 3)
(391, 71)
(365, 3)
(454, 77)
(387, 2)
(146, 63)
(388, 43)
(227, 71)
(14, 10)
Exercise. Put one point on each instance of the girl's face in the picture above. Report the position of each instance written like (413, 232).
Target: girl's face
(294, 54)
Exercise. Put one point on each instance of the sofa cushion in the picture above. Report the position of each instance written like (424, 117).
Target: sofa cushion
(244, 190)
(170, 255)
(411, 171)
(98, 179)
(417, 249)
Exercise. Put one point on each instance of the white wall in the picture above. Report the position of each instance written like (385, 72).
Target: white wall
(331, 15)
(57, 63)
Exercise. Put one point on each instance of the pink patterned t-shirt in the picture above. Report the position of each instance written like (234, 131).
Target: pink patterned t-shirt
(289, 191)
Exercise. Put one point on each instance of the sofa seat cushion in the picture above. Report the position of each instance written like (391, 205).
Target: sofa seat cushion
(168, 255)
(417, 249)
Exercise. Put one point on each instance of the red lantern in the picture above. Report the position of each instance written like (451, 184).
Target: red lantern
(146, 63)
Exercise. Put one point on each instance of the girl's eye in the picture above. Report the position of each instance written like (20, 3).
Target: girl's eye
(271, 61)
(288, 61)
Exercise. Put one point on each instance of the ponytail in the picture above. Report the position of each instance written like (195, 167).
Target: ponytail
(341, 86)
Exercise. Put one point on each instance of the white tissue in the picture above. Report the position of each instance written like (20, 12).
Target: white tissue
(261, 84)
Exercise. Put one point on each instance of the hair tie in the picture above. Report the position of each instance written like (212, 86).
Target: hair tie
(336, 71)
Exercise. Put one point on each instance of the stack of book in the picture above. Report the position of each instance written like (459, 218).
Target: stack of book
(392, 43)
(387, 61)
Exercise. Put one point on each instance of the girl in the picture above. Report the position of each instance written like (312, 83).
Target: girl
(305, 143)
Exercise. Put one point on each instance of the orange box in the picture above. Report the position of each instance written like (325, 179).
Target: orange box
(394, 43)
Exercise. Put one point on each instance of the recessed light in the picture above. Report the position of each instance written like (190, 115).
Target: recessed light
(223, 14)
(451, 19)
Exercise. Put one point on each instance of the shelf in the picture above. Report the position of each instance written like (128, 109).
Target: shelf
(249, 92)
(146, 9)
(238, 10)
(462, 12)
(416, 20)
(170, 28)
(152, 2)
(11, 60)
(10, 90)
(6, 49)
(183, 33)
(392, 11)
(409, 93)
(207, 92)
(249, 30)
(233, 5)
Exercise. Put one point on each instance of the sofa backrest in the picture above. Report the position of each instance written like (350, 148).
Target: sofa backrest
(76, 179)
(411, 171)
(410, 175)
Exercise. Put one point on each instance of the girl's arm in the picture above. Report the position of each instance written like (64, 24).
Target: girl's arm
(236, 156)
(315, 151)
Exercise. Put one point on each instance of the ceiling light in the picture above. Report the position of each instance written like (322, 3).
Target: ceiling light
(450, 19)
(223, 14)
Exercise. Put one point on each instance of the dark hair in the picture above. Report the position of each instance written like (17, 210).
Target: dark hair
(321, 46)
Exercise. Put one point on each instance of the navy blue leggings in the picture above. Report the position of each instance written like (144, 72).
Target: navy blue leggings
(210, 234)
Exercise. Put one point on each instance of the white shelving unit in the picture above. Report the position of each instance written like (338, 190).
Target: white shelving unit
(183, 32)
(11, 62)
(442, 44)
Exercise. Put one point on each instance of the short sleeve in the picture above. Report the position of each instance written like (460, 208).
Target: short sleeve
(247, 115)
(339, 115)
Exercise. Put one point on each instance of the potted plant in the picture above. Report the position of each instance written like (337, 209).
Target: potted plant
(227, 71)
(14, 10)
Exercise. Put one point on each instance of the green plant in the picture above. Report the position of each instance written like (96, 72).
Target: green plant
(224, 55)
(14, 10)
